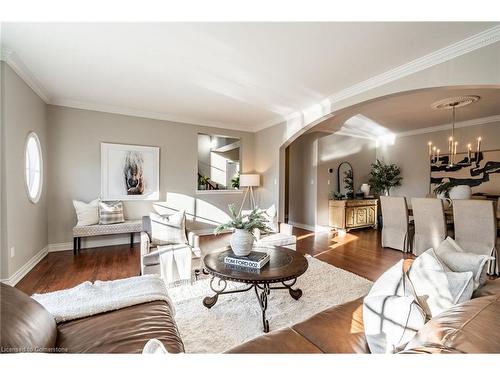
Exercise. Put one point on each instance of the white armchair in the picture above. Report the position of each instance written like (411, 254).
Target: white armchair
(283, 238)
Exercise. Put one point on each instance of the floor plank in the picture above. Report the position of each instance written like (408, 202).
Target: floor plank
(359, 252)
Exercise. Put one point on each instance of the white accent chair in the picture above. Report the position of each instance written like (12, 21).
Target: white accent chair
(430, 224)
(476, 229)
(396, 232)
(279, 234)
(150, 254)
(283, 238)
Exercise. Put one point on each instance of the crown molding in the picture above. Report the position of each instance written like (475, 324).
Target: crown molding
(461, 124)
(144, 114)
(13, 60)
(437, 57)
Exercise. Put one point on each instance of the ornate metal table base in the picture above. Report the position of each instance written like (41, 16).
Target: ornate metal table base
(262, 290)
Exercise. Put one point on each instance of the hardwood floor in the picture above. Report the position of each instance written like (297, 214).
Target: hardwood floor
(359, 252)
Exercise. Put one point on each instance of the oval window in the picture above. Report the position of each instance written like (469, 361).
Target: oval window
(34, 167)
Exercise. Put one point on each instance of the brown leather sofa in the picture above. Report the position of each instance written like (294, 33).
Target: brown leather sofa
(27, 327)
(471, 327)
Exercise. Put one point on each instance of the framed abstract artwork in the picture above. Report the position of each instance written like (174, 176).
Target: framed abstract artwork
(482, 173)
(130, 172)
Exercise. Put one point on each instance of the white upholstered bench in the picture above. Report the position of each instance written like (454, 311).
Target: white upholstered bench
(128, 226)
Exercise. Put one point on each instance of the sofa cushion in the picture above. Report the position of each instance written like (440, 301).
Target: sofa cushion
(472, 327)
(129, 226)
(335, 330)
(490, 288)
(281, 341)
(121, 331)
(25, 325)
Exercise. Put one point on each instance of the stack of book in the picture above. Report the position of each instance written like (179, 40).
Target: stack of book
(254, 260)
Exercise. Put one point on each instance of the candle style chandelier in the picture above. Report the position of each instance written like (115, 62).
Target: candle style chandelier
(450, 159)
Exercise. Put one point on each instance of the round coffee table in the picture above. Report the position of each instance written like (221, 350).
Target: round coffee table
(284, 267)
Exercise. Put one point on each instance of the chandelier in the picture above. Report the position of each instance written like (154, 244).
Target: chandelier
(450, 159)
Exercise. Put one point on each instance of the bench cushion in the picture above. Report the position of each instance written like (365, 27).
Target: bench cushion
(129, 226)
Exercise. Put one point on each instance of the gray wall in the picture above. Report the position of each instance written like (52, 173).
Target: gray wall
(310, 183)
(333, 150)
(410, 153)
(74, 156)
(26, 222)
(303, 179)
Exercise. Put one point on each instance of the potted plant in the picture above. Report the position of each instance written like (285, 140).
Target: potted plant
(202, 182)
(235, 181)
(453, 189)
(349, 183)
(243, 225)
(383, 177)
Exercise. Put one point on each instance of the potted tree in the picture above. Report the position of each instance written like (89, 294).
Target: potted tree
(243, 238)
(383, 177)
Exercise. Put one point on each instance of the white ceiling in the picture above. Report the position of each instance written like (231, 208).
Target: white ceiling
(231, 75)
(407, 112)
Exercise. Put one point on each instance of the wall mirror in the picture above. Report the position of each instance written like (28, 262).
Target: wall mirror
(345, 180)
(219, 160)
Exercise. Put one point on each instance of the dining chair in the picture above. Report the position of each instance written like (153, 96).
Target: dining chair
(476, 229)
(430, 224)
(396, 228)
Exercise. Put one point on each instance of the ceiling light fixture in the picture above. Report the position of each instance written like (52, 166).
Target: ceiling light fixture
(448, 160)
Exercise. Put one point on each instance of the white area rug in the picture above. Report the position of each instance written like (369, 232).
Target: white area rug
(236, 318)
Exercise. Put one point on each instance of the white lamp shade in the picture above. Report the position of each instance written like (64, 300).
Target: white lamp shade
(249, 180)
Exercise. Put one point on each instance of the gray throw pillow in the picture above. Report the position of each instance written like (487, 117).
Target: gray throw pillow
(111, 213)
(457, 260)
(435, 288)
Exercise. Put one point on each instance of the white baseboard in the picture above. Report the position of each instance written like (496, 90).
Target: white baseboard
(311, 228)
(92, 242)
(21, 272)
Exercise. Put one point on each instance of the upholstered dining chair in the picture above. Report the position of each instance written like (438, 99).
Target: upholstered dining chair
(476, 229)
(396, 232)
(430, 224)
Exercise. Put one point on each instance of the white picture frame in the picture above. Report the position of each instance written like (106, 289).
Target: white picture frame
(130, 172)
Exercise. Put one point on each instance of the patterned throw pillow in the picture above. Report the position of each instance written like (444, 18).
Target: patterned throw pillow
(111, 212)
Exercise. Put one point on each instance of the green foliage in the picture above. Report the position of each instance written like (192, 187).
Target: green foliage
(254, 220)
(203, 180)
(235, 181)
(349, 182)
(383, 176)
(445, 187)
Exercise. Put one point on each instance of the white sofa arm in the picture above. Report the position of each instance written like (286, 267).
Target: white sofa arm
(286, 229)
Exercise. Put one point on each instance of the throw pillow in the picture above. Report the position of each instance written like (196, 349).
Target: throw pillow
(167, 230)
(271, 216)
(437, 290)
(87, 213)
(111, 213)
(457, 260)
(154, 346)
(391, 315)
(391, 322)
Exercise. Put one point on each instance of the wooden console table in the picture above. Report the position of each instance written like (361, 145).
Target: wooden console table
(353, 213)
